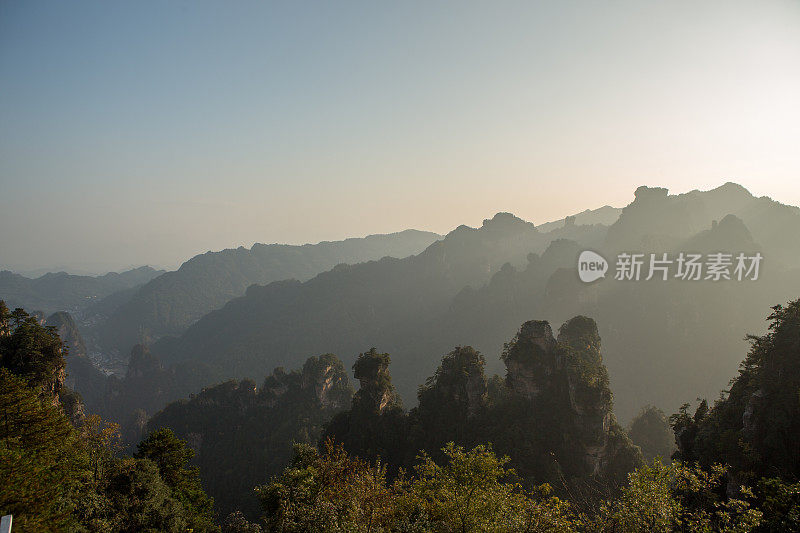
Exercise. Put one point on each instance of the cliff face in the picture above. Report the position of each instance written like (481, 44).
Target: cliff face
(552, 415)
(81, 374)
(453, 405)
(321, 384)
(52, 387)
(459, 382)
(563, 384)
(67, 329)
(531, 359)
(145, 387)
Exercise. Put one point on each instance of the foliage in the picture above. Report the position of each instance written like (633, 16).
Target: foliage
(780, 503)
(242, 433)
(236, 522)
(334, 491)
(328, 492)
(31, 351)
(755, 428)
(59, 477)
(140, 499)
(41, 460)
(172, 456)
(470, 493)
(676, 497)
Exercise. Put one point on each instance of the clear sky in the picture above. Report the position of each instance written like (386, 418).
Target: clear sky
(146, 132)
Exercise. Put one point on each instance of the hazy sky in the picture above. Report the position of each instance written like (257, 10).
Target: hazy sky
(147, 132)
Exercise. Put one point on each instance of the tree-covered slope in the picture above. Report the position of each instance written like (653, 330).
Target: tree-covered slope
(755, 426)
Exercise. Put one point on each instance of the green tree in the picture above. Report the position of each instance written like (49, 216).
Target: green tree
(31, 351)
(140, 501)
(328, 492)
(172, 457)
(41, 459)
(469, 492)
(676, 497)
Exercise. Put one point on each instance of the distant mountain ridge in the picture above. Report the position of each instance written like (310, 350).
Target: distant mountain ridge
(605, 215)
(656, 218)
(460, 290)
(168, 304)
(391, 302)
(59, 291)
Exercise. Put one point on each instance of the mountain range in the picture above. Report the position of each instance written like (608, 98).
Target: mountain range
(169, 303)
(59, 291)
(468, 287)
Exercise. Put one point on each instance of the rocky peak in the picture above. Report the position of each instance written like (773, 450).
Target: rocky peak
(376, 392)
(565, 379)
(67, 329)
(459, 380)
(646, 194)
(581, 335)
(729, 234)
(275, 385)
(505, 222)
(325, 375)
(530, 358)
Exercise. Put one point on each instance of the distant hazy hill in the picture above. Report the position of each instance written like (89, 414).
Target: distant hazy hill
(64, 292)
(657, 220)
(173, 301)
(396, 304)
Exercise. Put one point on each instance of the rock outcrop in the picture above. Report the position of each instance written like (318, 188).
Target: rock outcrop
(376, 392)
(261, 423)
(81, 374)
(563, 384)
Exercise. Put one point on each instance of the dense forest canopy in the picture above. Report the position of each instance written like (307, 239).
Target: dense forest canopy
(536, 450)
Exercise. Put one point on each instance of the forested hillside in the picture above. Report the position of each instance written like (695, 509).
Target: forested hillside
(62, 470)
(557, 456)
(537, 450)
